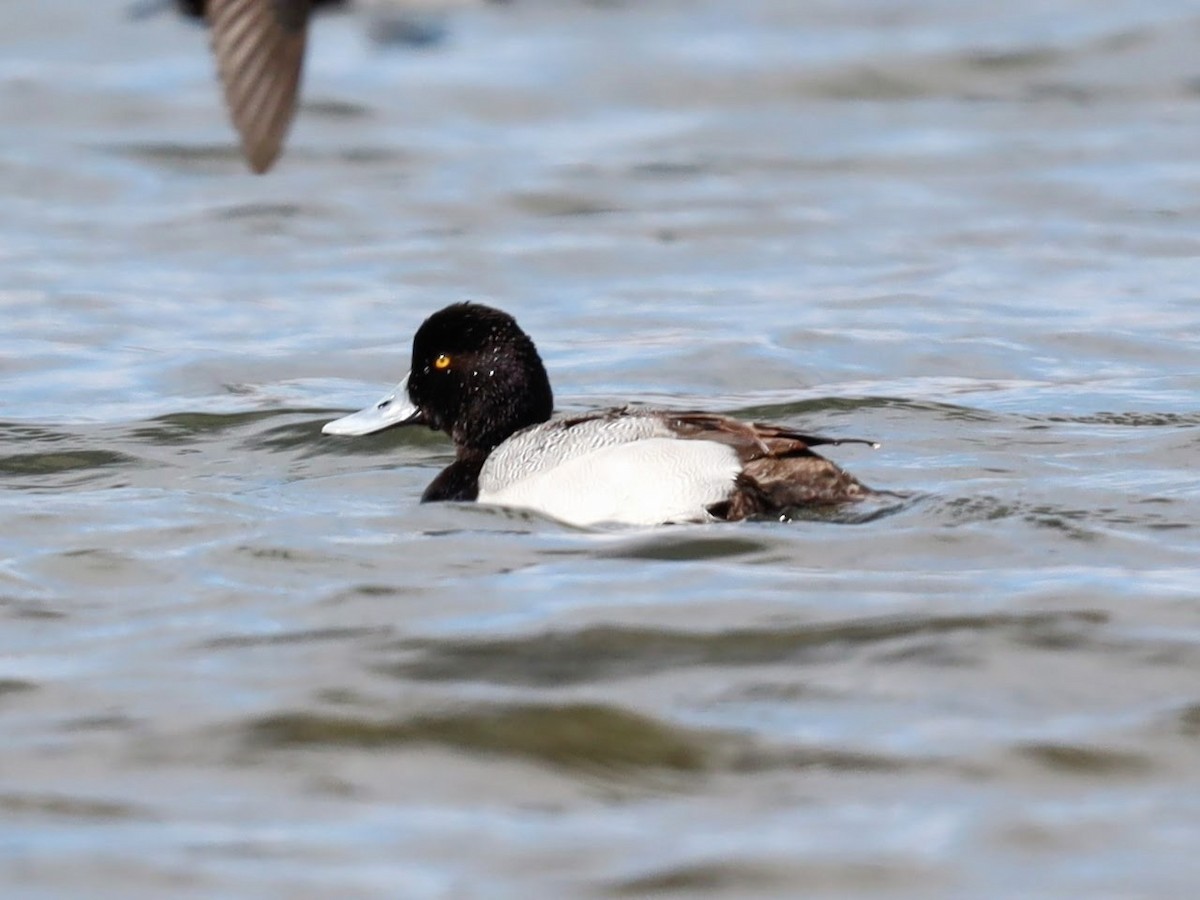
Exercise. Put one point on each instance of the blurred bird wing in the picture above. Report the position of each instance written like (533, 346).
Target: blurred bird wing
(259, 46)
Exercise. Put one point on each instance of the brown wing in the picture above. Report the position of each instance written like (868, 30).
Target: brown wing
(779, 470)
(259, 46)
(753, 440)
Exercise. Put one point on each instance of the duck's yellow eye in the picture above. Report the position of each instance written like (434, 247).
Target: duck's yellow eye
(442, 362)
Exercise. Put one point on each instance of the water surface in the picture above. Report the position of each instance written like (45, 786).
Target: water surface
(239, 659)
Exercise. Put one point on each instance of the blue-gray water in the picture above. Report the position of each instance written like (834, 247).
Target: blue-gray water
(238, 659)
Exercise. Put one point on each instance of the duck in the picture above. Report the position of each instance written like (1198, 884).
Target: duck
(477, 376)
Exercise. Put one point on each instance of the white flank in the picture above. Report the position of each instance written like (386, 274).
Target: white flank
(645, 482)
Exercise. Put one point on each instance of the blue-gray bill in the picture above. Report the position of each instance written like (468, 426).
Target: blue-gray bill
(394, 409)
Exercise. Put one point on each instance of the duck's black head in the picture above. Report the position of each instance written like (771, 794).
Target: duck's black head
(477, 376)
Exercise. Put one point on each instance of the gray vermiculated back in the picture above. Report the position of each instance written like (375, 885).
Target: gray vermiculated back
(544, 446)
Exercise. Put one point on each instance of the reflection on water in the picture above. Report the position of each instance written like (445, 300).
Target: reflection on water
(605, 652)
(239, 657)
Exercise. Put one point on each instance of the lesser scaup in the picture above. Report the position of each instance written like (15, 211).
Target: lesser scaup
(478, 377)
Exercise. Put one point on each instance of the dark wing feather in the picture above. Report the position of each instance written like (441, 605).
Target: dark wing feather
(779, 468)
(753, 440)
(259, 46)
